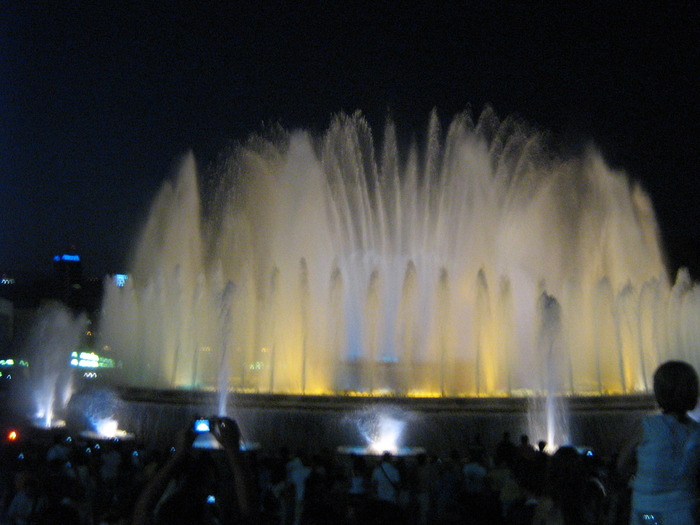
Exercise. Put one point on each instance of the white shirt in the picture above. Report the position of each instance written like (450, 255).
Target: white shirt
(385, 479)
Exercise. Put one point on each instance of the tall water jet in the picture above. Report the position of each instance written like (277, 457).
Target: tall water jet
(479, 265)
(547, 413)
(56, 334)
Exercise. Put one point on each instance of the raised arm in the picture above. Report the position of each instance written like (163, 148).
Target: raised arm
(143, 511)
(228, 434)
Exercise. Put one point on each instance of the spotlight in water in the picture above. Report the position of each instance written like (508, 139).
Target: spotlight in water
(107, 427)
(12, 435)
(384, 435)
(382, 428)
(46, 419)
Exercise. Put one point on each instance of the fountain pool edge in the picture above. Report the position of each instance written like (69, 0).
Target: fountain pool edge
(439, 425)
(350, 402)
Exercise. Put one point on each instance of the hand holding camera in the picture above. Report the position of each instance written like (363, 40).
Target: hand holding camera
(226, 431)
(184, 441)
(216, 432)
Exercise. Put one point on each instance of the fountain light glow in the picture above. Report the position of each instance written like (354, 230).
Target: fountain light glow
(481, 264)
(382, 429)
(107, 427)
(385, 437)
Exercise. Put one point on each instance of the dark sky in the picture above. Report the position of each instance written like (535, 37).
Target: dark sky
(96, 103)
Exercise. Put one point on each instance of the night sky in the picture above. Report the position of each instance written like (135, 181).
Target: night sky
(97, 104)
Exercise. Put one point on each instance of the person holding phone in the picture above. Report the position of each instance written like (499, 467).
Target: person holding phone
(188, 489)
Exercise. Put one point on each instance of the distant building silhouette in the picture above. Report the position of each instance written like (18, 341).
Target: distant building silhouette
(6, 324)
(68, 275)
(20, 298)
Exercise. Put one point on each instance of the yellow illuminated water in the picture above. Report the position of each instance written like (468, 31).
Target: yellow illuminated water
(477, 264)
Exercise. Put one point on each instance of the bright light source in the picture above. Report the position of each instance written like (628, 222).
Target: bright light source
(385, 436)
(12, 435)
(107, 427)
(202, 425)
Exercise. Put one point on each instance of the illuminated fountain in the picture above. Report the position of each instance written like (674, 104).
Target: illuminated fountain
(478, 265)
(382, 429)
(97, 410)
(56, 334)
(107, 429)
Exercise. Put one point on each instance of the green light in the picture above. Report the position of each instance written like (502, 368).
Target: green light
(106, 362)
(90, 360)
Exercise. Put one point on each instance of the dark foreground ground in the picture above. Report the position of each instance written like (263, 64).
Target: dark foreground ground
(101, 479)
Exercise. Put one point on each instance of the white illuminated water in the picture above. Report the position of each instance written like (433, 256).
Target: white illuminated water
(56, 333)
(476, 264)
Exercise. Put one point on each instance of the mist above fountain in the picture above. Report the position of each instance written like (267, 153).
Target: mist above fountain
(479, 264)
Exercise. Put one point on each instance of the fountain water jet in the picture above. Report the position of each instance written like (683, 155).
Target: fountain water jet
(418, 273)
(97, 410)
(56, 334)
(382, 428)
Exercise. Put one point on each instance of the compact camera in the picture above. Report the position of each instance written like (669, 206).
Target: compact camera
(204, 438)
(202, 425)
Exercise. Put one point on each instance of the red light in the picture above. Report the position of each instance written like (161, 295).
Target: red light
(12, 435)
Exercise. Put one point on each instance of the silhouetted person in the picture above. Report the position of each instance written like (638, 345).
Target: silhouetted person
(195, 500)
(297, 475)
(449, 504)
(28, 502)
(525, 449)
(506, 449)
(572, 495)
(358, 489)
(424, 482)
(386, 482)
(541, 446)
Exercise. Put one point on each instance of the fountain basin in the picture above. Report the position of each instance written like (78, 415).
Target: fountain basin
(370, 451)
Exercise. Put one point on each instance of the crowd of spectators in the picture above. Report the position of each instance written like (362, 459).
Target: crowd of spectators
(69, 480)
